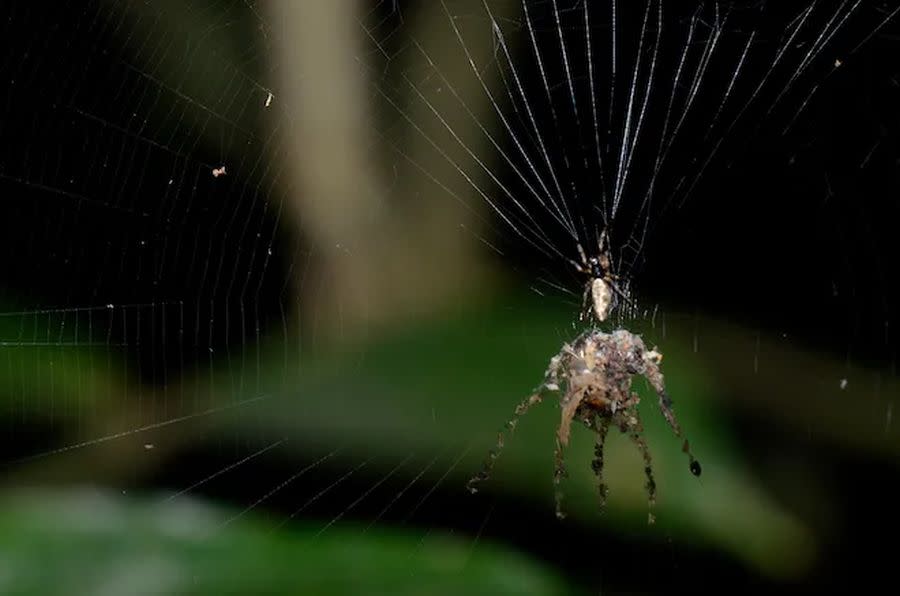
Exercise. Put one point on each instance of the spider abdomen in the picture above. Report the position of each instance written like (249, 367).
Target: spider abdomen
(602, 298)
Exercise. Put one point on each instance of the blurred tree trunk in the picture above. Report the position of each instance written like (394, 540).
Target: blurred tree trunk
(384, 247)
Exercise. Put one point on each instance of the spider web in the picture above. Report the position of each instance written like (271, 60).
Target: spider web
(182, 304)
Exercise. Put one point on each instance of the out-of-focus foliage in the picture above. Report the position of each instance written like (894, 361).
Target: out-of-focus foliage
(456, 382)
(451, 384)
(89, 542)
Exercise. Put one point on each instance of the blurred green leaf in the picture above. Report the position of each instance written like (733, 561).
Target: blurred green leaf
(88, 542)
(48, 372)
(447, 386)
(453, 384)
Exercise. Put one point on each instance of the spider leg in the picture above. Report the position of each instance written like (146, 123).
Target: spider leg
(581, 253)
(654, 375)
(665, 404)
(494, 453)
(603, 252)
(585, 304)
(636, 433)
(569, 409)
(601, 427)
(602, 241)
(559, 472)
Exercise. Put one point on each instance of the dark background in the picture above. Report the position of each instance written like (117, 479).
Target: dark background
(786, 233)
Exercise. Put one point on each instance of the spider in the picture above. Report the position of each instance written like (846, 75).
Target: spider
(603, 283)
(593, 377)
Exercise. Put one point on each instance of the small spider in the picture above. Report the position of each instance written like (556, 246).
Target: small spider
(602, 282)
(593, 376)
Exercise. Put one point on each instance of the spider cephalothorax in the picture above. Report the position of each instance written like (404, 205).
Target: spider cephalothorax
(593, 376)
(599, 266)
